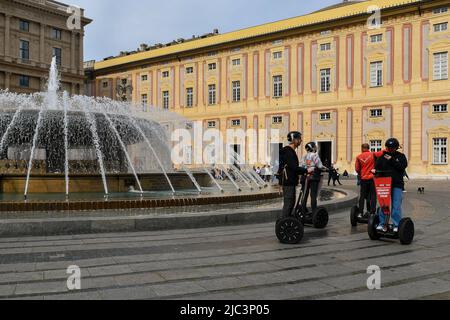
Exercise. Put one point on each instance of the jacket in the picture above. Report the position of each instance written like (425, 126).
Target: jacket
(395, 167)
(365, 163)
(312, 161)
(289, 170)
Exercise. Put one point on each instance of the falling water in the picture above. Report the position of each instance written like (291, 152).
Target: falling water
(93, 127)
(51, 95)
(124, 148)
(141, 132)
(35, 138)
(10, 126)
(66, 140)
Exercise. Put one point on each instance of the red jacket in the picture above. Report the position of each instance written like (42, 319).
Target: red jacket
(365, 163)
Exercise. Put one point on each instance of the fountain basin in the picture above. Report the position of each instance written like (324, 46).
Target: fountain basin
(91, 183)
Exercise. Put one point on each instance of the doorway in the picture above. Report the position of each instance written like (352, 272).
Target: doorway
(326, 152)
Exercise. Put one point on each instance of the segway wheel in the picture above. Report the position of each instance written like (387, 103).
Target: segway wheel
(320, 218)
(406, 231)
(354, 216)
(290, 230)
(374, 220)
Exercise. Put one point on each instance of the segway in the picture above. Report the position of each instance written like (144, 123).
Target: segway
(290, 230)
(405, 234)
(355, 218)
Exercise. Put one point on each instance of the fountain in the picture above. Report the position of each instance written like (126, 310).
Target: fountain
(52, 143)
(69, 153)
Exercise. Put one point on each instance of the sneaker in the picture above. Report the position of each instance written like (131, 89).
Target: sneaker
(380, 228)
(395, 229)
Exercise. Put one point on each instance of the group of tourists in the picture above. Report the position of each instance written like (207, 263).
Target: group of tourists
(389, 162)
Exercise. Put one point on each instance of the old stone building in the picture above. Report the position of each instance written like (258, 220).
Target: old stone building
(31, 33)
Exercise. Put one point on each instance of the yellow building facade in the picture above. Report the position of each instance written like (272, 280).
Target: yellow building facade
(336, 75)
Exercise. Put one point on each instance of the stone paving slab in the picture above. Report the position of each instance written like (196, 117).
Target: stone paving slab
(236, 262)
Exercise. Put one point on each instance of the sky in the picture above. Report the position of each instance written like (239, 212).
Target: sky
(123, 25)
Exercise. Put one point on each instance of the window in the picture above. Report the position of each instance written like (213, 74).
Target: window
(440, 108)
(211, 124)
(24, 50)
(236, 85)
(277, 86)
(325, 46)
(236, 122)
(277, 120)
(189, 97)
(189, 70)
(439, 27)
(165, 99)
(325, 116)
(212, 94)
(236, 62)
(165, 74)
(440, 151)
(325, 80)
(376, 145)
(57, 54)
(376, 38)
(56, 34)
(440, 66)
(24, 81)
(144, 99)
(144, 78)
(376, 113)
(212, 66)
(440, 10)
(376, 74)
(105, 84)
(124, 82)
(24, 25)
(277, 55)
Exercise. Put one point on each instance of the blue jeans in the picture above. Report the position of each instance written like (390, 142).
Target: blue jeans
(396, 210)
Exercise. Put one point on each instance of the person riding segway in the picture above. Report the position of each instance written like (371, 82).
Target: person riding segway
(290, 229)
(365, 163)
(290, 226)
(311, 184)
(389, 171)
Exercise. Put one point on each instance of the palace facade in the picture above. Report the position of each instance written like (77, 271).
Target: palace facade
(31, 33)
(339, 75)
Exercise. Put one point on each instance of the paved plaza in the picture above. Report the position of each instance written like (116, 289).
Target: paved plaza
(239, 262)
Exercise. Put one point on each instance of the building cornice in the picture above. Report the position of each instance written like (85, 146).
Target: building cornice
(338, 17)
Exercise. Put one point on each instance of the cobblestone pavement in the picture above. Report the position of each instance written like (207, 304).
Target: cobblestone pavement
(240, 262)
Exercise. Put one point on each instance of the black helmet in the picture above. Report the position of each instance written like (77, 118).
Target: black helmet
(393, 144)
(311, 147)
(294, 135)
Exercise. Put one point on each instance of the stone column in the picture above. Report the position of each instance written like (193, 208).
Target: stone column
(43, 83)
(81, 57)
(42, 46)
(7, 79)
(7, 36)
(72, 52)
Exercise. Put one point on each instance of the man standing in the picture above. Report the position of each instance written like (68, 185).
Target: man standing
(392, 163)
(365, 163)
(289, 172)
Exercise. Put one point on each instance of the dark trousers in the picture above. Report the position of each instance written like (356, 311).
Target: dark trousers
(289, 198)
(312, 189)
(368, 196)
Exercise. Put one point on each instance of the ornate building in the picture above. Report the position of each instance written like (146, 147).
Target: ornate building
(31, 33)
(339, 75)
